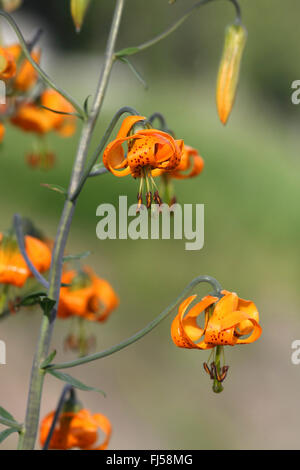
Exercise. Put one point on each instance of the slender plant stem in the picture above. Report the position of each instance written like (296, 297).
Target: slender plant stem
(46, 79)
(107, 352)
(37, 375)
(145, 45)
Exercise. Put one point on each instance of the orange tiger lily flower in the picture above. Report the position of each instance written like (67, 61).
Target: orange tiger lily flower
(32, 118)
(76, 430)
(8, 66)
(88, 296)
(231, 320)
(26, 76)
(191, 164)
(149, 151)
(13, 267)
(2, 132)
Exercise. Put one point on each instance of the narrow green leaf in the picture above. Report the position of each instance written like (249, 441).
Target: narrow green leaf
(134, 71)
(74, 382)
(47, 305)
(85, 254)
(32, 299)
(86, 105)
(5, 414)
(48, 360)
(59, 112)
(56, 188)
(128, 51)
(6, 433)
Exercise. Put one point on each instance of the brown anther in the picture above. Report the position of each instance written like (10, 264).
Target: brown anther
(208, 371)
(223, 375)
(140, 202)
(149, 199)
(71, 343)
(157, 198)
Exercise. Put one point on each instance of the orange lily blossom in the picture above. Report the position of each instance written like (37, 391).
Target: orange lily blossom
(76, 430)
(26, 75)
(149, 152)
(2, 132)
(191, 164)
(229, 321)
(8, 66)
(87, 297)
(32, 118)
(232, 318)
(13, 267)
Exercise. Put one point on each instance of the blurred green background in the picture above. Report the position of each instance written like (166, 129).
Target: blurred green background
(158, 396)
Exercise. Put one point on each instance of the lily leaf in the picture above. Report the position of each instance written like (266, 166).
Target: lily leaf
(74, 382)
(128, 51)
(47, 304)
(56, 188)
(5, 414)
(48, 360)
(6, 433)
(32, 299)
(85, 254)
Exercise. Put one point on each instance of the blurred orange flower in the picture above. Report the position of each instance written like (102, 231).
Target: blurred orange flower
(26, 75)
(8, 66)
(228, 321)
(88, 296)
(13, 267)
(32, 118)
(76, 430)
(2, 132)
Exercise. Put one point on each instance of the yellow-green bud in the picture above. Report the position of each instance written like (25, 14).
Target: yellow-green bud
(10, 5)
(78, 10)
(229, 71)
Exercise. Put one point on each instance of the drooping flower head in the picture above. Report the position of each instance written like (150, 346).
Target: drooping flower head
(26, 76)
(88, 296)
(149, 151)
(228, 321)
(76, 430)
(13, 267)
(8, 66)
(33, 118)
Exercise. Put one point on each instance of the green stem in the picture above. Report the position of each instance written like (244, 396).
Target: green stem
(37, 374)
(46, 79)
(172, 28)
(107, 352)
(217, 386)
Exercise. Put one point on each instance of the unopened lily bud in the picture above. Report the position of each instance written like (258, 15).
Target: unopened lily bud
(78, 10)
(10, 5)
(229, 71)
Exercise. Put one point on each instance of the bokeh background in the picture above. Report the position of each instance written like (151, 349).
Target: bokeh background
(158, 396)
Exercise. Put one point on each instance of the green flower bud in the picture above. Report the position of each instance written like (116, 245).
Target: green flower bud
(229, 71)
